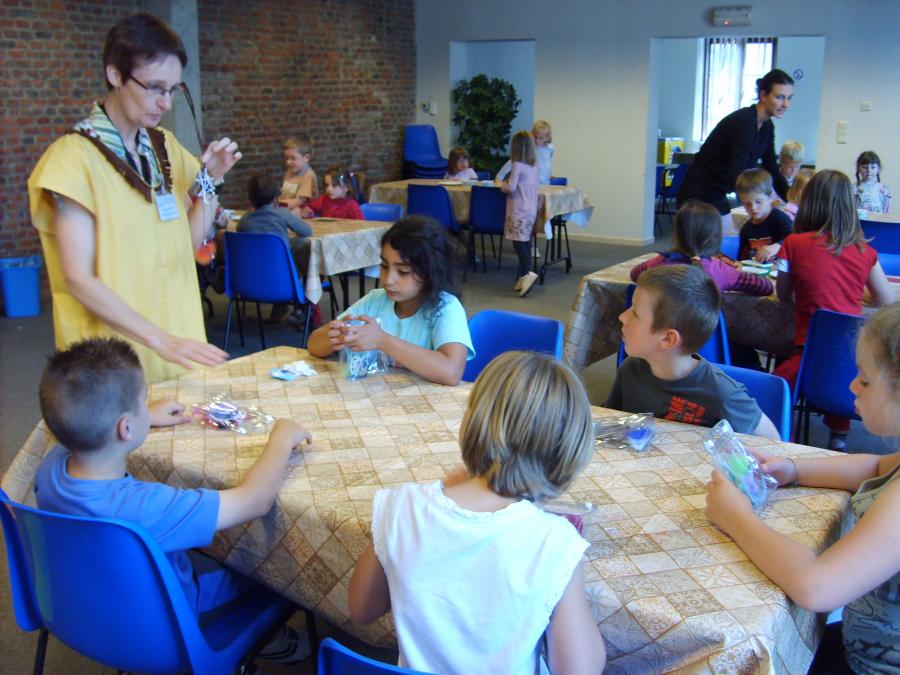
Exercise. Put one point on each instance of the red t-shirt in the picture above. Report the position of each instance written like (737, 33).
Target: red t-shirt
(822, 280)
(327, 207)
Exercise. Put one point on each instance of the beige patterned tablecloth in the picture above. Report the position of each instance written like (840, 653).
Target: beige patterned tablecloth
(739, 216)
(337, 246)
(553, 200)
(668, 590)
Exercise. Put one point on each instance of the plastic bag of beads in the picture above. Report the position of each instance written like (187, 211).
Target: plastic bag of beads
(218, 412)
(574, 512)
(358, 365)
(733, 459)
(630, 431)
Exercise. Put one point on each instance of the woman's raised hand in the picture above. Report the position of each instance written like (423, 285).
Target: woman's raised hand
(219, 157)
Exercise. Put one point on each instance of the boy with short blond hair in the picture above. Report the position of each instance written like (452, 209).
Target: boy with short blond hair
(300, 183)
(674, 311)
(790, 160)
(760, 237)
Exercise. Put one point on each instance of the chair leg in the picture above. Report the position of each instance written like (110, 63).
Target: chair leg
(362, 282)
(240, 313)
(262, 334)
(314, 639)
(493, 250)
(306, 326)
(565, 231)
(484, 255)
(41, 652)
(228, 323)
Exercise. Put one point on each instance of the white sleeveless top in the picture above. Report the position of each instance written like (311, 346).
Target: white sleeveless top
(471, 592)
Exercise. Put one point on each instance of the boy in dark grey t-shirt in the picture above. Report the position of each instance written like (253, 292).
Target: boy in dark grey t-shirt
(674, 311)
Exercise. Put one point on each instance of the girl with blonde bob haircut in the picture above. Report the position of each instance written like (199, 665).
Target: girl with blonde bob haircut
(474, 550)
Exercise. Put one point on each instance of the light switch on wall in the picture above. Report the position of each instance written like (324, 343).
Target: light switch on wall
(842, 131)
(865, 106)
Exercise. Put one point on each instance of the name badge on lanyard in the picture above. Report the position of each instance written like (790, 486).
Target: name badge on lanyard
(166, 206)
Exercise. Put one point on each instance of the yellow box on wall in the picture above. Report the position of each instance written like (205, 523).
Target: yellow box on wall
(665, 148)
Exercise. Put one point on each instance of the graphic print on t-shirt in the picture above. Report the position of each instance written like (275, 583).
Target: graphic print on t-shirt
(756, 244)
(682, 410)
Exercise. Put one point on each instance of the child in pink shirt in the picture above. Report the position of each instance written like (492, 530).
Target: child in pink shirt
(521, 205)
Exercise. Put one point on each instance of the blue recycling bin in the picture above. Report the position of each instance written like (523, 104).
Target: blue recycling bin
(21, 281)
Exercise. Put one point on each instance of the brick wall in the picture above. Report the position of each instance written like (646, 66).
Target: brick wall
(343, 71)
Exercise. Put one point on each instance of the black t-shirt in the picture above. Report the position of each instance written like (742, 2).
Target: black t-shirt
(770, 231)
(735, 145)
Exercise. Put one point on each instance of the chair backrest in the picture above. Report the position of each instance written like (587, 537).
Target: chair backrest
(495, 331)
(885, 236)
(677, 174)
(104, 588)
(828, 365)
(559, 180)
(772, 394)
(386, 212)
(420, 145)
(21, 584)
(358, 178)
(487, 210)
(431, 200)
(483, 175)
(336, 659)
(714, 350)
(731, 247)
(660, 180)
(260, 268)
(890, 263)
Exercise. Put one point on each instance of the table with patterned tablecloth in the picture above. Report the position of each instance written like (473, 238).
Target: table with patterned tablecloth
(553, 200)
(337, 245)
(594, 331)
(667, 589)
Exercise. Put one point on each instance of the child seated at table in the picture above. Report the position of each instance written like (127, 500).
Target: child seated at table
(861, 571)
(269, 218)
(416, 317)
(93, 400)
(459, 167)
(300, 183)
(871, 194)
(827, 264)
(698, 241)
(339, 200)
(761, 236)
(790, 159)
(474, 571)
(795, 192)
(674, 311)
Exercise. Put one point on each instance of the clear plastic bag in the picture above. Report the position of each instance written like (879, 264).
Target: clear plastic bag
(574, 512)
(631, 431)
(218, 412)
(733, 459)
(358, 365)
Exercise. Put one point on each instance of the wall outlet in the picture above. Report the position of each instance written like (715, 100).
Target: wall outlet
(865, 106)
(429, 107)
(842, 131)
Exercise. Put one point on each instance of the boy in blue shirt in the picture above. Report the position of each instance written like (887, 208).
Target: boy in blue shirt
(674, 311)
(93, 399)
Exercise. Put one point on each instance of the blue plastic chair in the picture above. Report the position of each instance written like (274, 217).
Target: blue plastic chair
(827, 368)
(714, 350)
(260, 268)
(385, 212)
(24, 603)
(105, 588)
(885, 237)
(431, 200)
(422, 153)
(484, 175)
(731, 247)
(487, 216)
(665, 193)
(890, 263)
(336, 659)
(495, 331)
(772, 394)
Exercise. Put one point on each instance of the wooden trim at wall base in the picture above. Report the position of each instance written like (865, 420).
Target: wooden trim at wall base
(602, 239)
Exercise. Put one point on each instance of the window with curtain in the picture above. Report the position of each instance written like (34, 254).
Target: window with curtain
(731, 67)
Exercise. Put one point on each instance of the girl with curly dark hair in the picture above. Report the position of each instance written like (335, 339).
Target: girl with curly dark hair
(416, 317)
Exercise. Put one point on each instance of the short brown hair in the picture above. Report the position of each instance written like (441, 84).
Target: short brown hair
(140, 38)
(301, 143)
(455, 155)
(528, 426)
(827, 208)
(686, 299)
(521, 148)
(754, 180)
(86, 388)
(340, 176)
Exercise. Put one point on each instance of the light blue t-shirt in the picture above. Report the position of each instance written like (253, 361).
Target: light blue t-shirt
(176, 519)
(426, 328)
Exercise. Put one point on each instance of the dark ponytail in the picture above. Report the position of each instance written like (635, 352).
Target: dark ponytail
(766, 82)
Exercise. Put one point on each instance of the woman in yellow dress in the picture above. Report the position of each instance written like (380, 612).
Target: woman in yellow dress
(112, 202)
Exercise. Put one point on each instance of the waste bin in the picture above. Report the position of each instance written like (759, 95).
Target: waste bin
(20, 278)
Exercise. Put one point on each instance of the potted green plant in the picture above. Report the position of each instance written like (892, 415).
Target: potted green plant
(484, 110)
